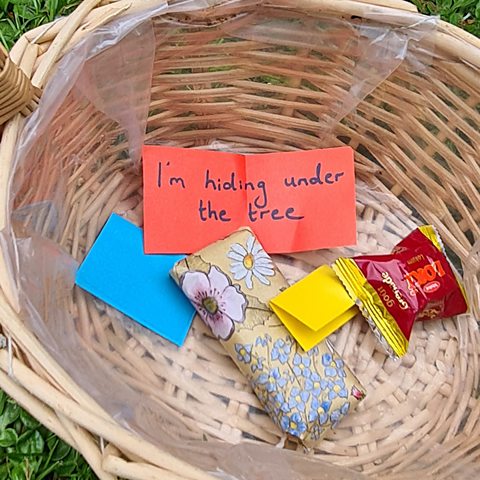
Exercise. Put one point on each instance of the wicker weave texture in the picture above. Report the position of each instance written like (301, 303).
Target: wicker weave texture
(416, 138)
(16, 91)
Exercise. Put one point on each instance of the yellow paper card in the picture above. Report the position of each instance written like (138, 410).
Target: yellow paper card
(314, 307)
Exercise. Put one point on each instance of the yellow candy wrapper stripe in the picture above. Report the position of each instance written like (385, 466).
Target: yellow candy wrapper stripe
(430, 232)
(382, 322)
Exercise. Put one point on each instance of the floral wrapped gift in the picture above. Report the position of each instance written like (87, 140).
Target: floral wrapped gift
(230, 284)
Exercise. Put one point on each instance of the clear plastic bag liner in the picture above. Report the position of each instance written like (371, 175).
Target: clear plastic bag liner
(371, 52)
(119, 85)
(86, 69)
(80, 73)
(86, 137)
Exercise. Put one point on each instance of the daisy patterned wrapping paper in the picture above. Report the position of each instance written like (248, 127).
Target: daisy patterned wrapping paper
(230, 284)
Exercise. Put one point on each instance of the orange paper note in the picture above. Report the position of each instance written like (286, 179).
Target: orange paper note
(293, 201)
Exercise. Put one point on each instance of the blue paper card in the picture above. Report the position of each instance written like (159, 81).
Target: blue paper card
(118, 272)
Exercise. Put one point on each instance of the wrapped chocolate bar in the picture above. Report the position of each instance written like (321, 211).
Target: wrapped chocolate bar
(230, 283)
(414, 282)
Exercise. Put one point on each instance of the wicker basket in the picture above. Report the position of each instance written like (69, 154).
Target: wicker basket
(408, 133)
(18, 93)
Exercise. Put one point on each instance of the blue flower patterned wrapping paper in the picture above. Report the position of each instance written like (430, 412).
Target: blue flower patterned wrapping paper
(230, 283)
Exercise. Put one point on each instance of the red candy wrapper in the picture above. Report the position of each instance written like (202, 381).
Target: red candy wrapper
(414, 282)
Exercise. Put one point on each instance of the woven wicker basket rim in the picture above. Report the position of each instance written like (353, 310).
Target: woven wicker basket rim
(40, 384)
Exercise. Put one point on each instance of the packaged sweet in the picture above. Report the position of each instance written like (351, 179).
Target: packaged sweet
(414, 282)
(230, 283)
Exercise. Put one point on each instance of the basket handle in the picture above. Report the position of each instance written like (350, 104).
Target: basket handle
(17, 94)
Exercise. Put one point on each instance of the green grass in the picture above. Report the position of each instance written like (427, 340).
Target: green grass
(462, 13)
(28, 451)
(18, 16)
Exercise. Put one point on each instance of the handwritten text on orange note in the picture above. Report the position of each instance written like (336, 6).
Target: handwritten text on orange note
(293, 201)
